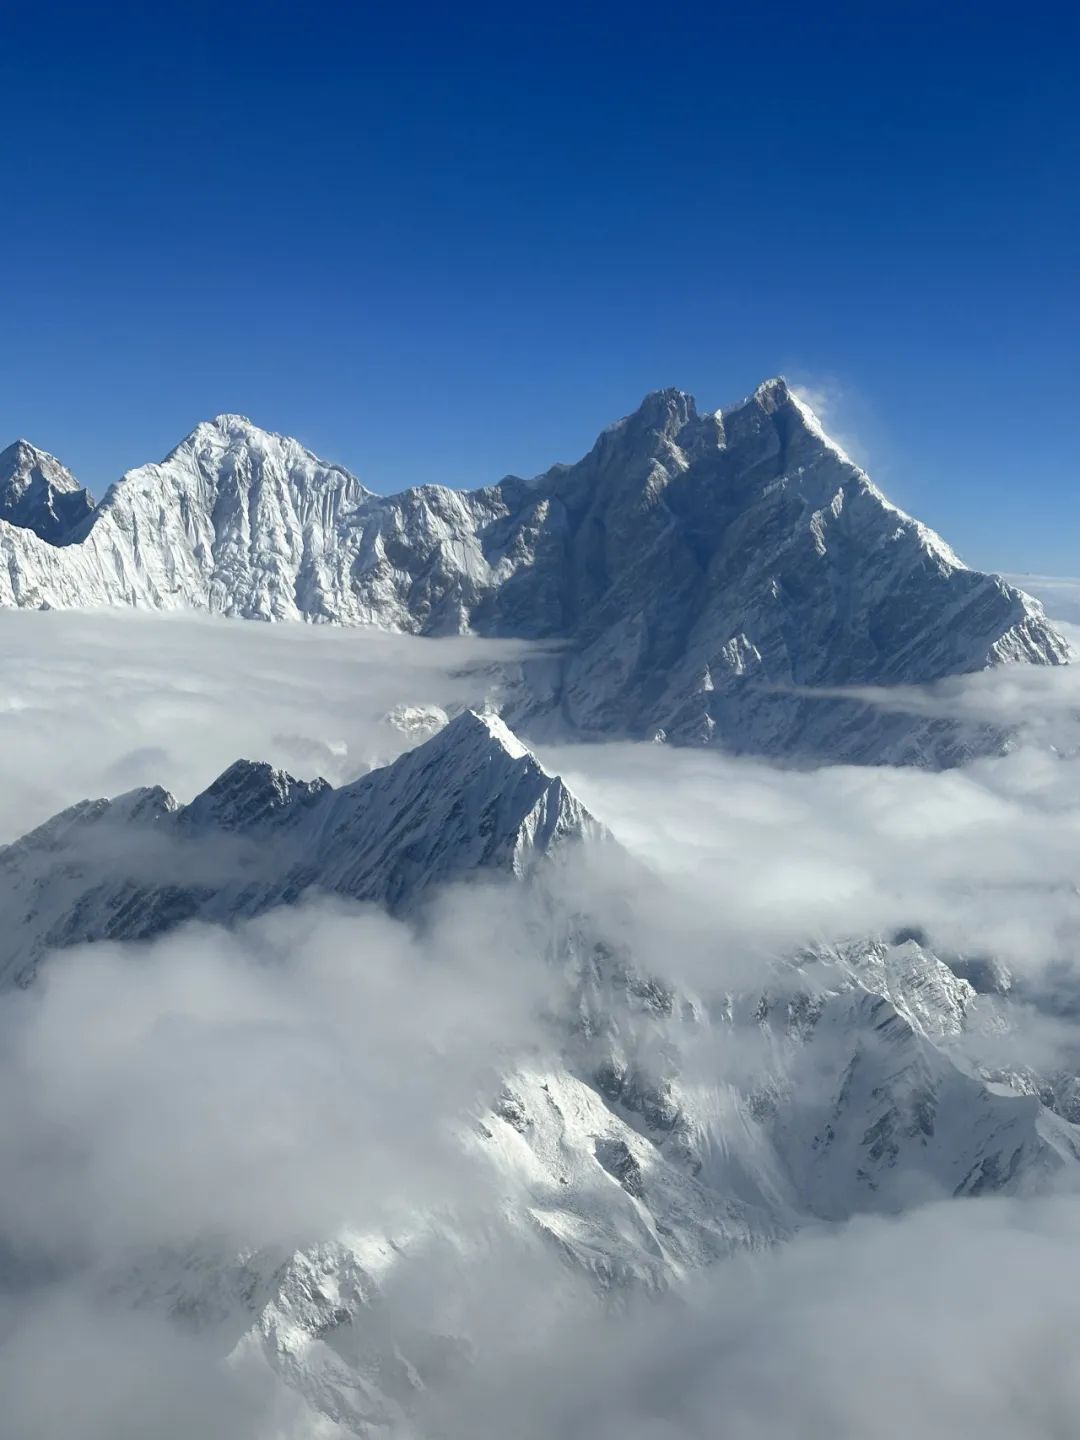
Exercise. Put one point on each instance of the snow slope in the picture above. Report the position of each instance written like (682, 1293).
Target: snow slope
(698, 574)
(656, 1132)
(636, 1174)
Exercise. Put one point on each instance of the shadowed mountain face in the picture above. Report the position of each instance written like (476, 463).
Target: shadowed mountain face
(699, 575)
(470, 801)
(37, 493)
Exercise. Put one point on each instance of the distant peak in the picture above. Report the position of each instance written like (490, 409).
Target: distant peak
(247, 775)
(772, 393)
(249, 791)
(229, 426)
(775, 396)
(40, 494)
(246, 772)
(668, 395)
(19, 447)
(664, 408)
(22, 452)
(485, 727)
(475, 789)
(662, 413)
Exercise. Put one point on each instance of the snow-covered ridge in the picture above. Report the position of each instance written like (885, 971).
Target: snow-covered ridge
(610, 1147)
(628, 1144)
(697, 570)
(471, 800)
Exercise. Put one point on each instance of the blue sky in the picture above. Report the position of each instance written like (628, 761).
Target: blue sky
(443, 245)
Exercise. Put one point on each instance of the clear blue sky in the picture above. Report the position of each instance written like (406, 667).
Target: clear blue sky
(442, 243)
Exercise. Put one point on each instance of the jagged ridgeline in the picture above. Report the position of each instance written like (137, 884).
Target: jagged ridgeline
(607, 1152)
(471, 800)
(700, 576)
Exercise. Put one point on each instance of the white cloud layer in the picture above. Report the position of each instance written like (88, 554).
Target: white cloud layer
(265, 1086)
(953, 1322)
(766, 858)
(98, 703)
(314, 1063)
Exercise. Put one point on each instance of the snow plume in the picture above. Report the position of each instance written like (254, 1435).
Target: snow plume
(832, 404)
(327, 1173)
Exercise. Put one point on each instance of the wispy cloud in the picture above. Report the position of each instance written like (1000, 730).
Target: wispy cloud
(835, 406)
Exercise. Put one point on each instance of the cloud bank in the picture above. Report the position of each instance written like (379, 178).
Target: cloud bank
(954, 1321)
(267, 1086)
(95, 703)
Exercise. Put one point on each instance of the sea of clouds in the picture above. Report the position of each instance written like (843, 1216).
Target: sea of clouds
(267, 1085)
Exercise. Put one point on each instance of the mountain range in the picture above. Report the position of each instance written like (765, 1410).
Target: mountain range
(858, 1088)
(471, 799)
(715, 578)
(705, 579)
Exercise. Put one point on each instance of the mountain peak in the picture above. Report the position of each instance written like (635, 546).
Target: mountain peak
(22, 459)
(240, 426)
(703, 571)
(472, 801)
(473, 797)
(20, 451)
(658, 420)
(230, 432)
(664, 410)
(248, 793)
(38, 493)
(229, 426)
(773, 393)
(485, 728)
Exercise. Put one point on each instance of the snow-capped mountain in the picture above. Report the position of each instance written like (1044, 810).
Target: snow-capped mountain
(657, 1130)
(38, 493)
(699, 573)
(471, 800)
(637, 1172)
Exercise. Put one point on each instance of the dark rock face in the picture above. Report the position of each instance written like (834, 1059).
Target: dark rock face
(471, 801)
(37, 493)
(718, 569)
(616, 1158)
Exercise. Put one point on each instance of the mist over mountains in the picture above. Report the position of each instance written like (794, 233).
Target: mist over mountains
(461, 1017)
